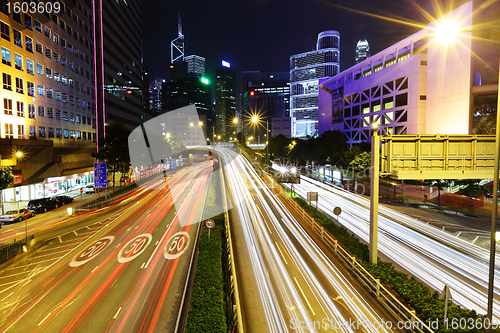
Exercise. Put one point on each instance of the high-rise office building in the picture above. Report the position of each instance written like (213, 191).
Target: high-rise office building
(123, 71)
(305, 71)
(196, 65)
(362, 50)
(183, 90)
(266, 94)
(155, 94)
(177, 44)
(47, 92)
(225, 101)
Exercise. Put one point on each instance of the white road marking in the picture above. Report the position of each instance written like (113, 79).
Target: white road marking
(75, 233)
(117, 312)
(40, 323)
(94, 269)
(60, 239)
(281, 253)
(142, 266)
(157, 243)
(304, 295)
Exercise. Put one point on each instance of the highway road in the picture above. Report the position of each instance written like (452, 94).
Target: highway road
(430, 254)
(121, 268)
(287, 283)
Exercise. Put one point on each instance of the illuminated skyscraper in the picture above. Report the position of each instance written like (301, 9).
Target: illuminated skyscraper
(177, 45)
(196, 65)
(362, 50)
(305, 71)
(225, 101)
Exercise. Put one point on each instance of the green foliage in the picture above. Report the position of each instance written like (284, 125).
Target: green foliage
(361, 161)
(6, 177)
(115, 150)
(413, 293)
(206, 311)
(472, 187)
(440, 184)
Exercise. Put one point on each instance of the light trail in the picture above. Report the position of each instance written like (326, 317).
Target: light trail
(428, 253)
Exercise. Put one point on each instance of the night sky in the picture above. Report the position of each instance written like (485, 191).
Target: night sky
(263, 34)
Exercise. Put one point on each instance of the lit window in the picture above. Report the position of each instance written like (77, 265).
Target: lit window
(29, 66)
(5, 56)
(18, 59)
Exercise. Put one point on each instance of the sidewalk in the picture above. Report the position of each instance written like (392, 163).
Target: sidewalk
(86, 197)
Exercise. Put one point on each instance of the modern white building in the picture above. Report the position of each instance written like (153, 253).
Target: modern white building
(306, 69)
(420, 85)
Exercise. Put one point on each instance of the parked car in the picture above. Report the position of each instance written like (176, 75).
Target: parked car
(89, 189)
(17, 215)
(63, 200)
(43, 205)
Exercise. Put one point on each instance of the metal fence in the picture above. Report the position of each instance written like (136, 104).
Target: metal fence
(386, 298)
(236, 320)
(383, 295)
(11, 250)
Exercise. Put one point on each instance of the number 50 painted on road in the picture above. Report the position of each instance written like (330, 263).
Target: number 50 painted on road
(176, 245)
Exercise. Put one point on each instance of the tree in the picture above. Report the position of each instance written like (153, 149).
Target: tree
(6, 178)
(471, 188)
(361, 161)
(440, 184)
(115, 150)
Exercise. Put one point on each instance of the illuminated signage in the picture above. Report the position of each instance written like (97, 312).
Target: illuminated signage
(226, 64)
(205, 80)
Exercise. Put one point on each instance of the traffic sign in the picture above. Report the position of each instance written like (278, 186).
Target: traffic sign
(81, 190)
(100, 175)
(209, 224)
(337, 211)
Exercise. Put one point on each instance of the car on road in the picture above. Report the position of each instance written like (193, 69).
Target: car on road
(17, 215)
(125, 179)
(63, 200)
(43, 205)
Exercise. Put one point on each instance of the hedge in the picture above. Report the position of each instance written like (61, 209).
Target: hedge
(207, 305)
(418, 296)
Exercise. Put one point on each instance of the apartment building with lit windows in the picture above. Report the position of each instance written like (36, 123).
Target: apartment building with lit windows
(47, 91)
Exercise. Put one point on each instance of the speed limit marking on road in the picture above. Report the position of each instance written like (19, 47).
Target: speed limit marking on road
(134, 248)
(91, 251)
(176, 245)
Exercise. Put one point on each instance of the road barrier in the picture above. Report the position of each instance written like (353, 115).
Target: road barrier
(236, 322)
(11, 250)
(383, 295)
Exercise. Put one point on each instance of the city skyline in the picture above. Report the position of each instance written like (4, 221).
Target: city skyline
(244, 31)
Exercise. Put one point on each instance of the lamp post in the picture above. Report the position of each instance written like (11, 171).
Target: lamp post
(448, 32)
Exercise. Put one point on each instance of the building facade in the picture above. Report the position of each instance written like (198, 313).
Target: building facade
(196, 65)
(155, 94)
(424, 84)
(267, 95)
(362, 50)
(306, 69)
(47, 76)
(225, 101)
(123, 67)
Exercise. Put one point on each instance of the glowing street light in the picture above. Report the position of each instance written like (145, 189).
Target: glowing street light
(191, 124)
(19, 154)
(447, 32)
(255, 119)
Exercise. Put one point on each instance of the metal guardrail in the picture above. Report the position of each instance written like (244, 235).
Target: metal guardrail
(384, 296)
(9, 251)
(234, 297)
